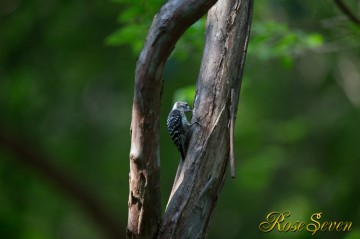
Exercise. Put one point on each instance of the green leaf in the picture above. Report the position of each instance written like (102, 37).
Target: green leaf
(315, 40)
(185, 94)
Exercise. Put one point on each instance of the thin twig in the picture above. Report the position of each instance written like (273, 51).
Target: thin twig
(342, 6)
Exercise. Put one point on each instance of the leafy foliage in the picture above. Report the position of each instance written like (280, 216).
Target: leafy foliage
(277, 40)
(135, 21)
(268, 40)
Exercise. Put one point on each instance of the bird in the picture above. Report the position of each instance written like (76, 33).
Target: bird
(178, 126)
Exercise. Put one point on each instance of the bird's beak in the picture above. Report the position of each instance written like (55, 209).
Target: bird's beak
(189, 109)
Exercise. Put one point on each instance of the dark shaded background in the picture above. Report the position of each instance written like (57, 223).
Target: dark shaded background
(66, 87)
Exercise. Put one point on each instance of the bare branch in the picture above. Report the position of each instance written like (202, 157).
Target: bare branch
(202, 175)
(232, 124)
(144, 196)
(347, 11)
(33, 158)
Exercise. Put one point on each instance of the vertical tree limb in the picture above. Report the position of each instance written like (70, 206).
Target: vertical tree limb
(144, 196)
(194, 197)
(233, 105)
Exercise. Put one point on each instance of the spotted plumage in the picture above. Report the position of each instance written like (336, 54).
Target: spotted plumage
(178, 126)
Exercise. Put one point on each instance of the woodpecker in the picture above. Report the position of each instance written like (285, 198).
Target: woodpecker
(178, 126)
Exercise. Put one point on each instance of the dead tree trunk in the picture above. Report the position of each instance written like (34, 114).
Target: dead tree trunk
(201, 177)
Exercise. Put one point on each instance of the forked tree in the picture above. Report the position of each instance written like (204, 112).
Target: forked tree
(201, 175)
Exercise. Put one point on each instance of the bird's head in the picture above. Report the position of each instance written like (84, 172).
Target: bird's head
(183, 106)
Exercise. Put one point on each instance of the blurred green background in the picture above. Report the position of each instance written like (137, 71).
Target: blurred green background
(66, 85)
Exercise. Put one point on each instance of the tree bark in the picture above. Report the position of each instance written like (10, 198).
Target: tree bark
(201, 176)
(144, 196)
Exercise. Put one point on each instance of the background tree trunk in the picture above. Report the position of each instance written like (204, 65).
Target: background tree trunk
(200, 179)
